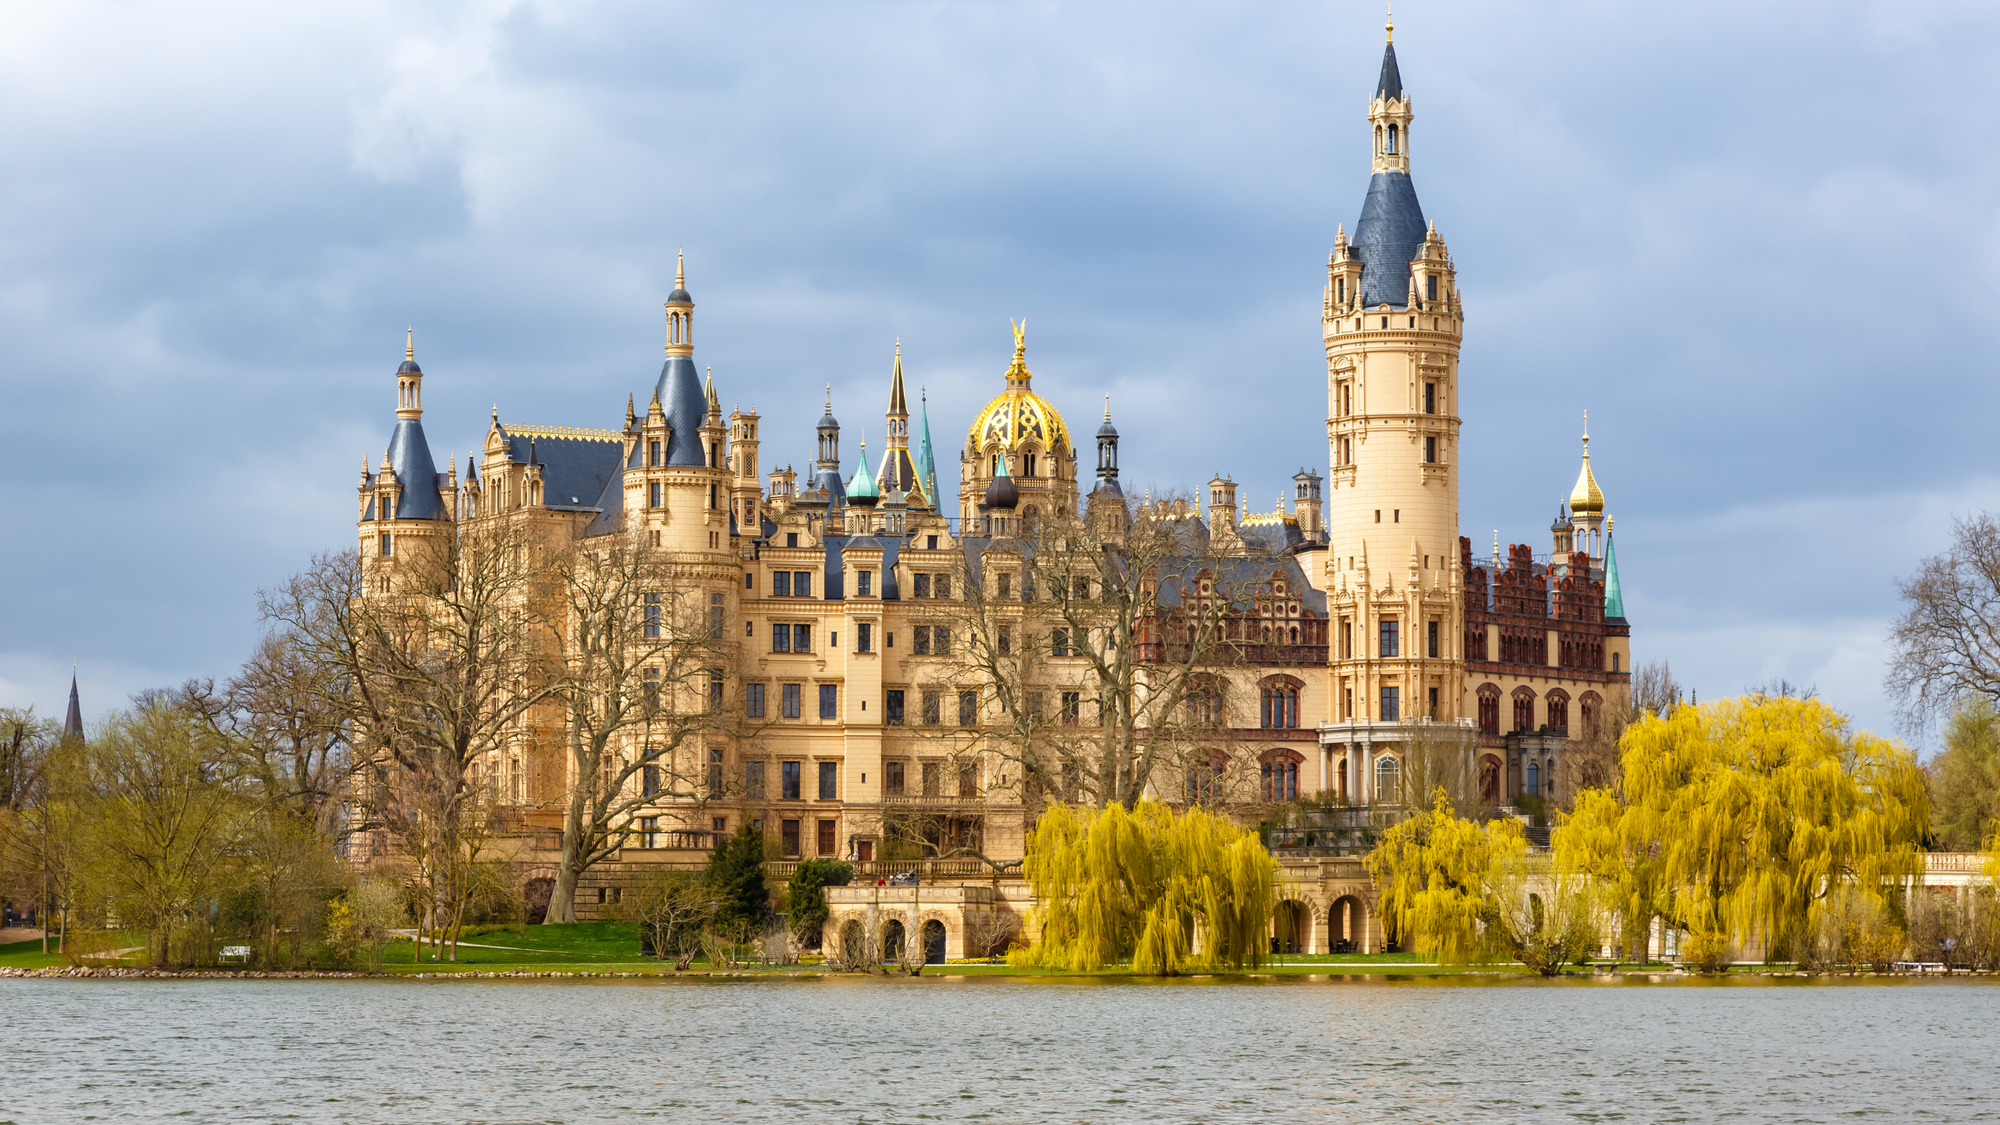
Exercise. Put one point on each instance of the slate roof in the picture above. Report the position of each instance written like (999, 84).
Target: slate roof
(1391, 85)
(1388, 234)
(410, 456)
(575, 471)
(686, 407)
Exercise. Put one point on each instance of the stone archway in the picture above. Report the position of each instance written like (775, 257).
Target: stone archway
(933, 933)
(1347, 925)
(892, 940)
(1291, 927)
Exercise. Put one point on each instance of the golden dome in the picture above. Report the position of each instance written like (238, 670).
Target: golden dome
(1018, 416)
(1586, 498)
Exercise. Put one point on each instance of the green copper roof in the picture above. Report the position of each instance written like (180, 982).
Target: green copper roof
(926, 463)
(863, 485)
(1614, 597)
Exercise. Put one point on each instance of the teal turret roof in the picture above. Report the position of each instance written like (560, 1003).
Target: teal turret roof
(1614, 596)
(862, 492)
(926, 461)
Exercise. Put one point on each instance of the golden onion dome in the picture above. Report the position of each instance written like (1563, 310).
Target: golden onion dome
(1586, 498)
(1018, 416)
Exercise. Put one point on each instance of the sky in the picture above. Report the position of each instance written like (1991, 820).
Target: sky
(1756, 242)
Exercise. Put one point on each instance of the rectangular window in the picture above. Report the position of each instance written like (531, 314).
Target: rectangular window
(802, 584)
(781, 583)
(650, 689)
(753, 701)
(920, 586)
(1431, 390)
(968, 708)
(968, 780)
(781, 638)
(388, 545)
(715, 616)
(715, 689)
(649, 781)
(892, 779)
(933, 779)
(940, 640)
(828, 771)
(653, 454)
(1346, 639)
(791, 538)
(653, 495)
(1059, 642)
(749, 580)
(1430, 451)
(827, 844)
(1431, 287)
(864, 637)
(829, 701)
(753, 780)
(1389, 645)
(652, 617)
(893, 712)
(788, 831)
(1431, 640)
(802, 638)
(933, 708)
(1072, 708)
(863, 579)
(941, 586)
(788, 781)
(1003, 639)
(1391, 705)
(922, 645)
(715, 774)
(930, 542)
(649, 831)
(790, 700)
(1433, 712)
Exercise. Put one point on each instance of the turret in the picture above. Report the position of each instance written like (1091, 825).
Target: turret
(1306, 495)
(679, 390)
(1586, 503)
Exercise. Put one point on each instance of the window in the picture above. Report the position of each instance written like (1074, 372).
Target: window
(753, 780)
(1204, 784)
(788, 831)
(788, 781)
(933, 779)
(1388, 781)
(753, 701)
(649, 782)
(827, 774)
(1059, 642)
(802, 638)
(1281, 706)
(1431, 639)
(1346, 639)
(1034, 707)
(892, 778)
(718, 825)
(829, 701)
(715, 616)
(1378, 515)
(652, 616)
(1281, 781)
(653, 454)
(802, 584)
(968, 779)
(863, 579)
(933, 702)
(1534, 778)
(1430, 451)
(968, 708)
(894, 707)
(1431, 289)
(940, 640)
(650, 692)
(715, 775)
(781, 583)
(922, 645)
(1083, 589)
(1433, 711)
(653, 494)
(1524, 711)
(1558, 710)
(941, 585)
(791, 538)
(1614, 662)
(920, 586)
(1004, 641)
(388, 544)
(827, 844)
(781, 638)
(1005, 583)
(1489, 710)
(1389, 644)
(790, 697)
(649, 831)
(1070, 708)
(1027, 464)
(1398, 515)
(864, 637)
(715, 689)
(749, 580)
(1392, 139)
(1391, 705)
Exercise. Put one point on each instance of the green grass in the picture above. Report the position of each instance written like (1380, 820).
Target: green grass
(29, 955)
(597, 944)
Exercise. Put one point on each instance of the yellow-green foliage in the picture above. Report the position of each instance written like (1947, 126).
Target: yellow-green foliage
(1435, 871)
(1740, 816)
(1114, 884)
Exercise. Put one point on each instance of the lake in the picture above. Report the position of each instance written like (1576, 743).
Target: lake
(1027, 1050)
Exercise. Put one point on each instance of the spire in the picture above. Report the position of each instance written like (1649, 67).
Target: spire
(1586, 498)
(926, 462)
(410, 343)
(897, 404)
(680, 269)
(73, 722)
(1614, 594)
(1017, 372)
(714, 403)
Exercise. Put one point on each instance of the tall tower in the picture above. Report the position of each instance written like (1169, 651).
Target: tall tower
(899, 468)
(1392, 322)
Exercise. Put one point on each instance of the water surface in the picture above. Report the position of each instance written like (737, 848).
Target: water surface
(1026, 1050)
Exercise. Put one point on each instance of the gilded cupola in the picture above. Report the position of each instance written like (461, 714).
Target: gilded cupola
(1586, 498)
(1019, 417)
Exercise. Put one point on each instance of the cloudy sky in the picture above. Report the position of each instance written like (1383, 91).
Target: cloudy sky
(1757, 242)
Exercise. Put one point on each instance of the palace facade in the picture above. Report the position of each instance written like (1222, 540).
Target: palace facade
(1390, 627)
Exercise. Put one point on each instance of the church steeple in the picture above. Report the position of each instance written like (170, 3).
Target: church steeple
(73, 722)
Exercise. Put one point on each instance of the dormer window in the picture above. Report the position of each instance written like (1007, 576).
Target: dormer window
(1431, 287)
(1340, 290)
(653, 454)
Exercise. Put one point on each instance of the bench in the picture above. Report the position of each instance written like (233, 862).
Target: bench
(1919, 966)
(236, 952)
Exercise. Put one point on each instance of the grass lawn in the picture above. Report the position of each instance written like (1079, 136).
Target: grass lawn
(598, 945)
(29, 955)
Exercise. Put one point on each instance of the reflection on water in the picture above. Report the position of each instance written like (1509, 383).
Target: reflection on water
(997, 1051)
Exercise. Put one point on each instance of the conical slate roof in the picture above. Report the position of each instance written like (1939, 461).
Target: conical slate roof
(73, 722)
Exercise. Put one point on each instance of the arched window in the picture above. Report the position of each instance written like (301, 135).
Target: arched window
(1558, 709)
(1392, 140)
(1489, 780)
(1524, 709)
(1489, 709)
(1388, 781)
(1534, 778)
(1590, 701)
(1280, 774)
(1281, 703)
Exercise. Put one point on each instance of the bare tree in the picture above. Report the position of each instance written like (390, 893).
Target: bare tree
(1101, 656)
(1654, 690)
(1438, 756)
(642, 684)
(30, 866)
(675, 907)
(1947, 642)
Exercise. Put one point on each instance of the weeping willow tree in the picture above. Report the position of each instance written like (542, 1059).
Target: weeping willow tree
(1145, 884)
(1740, 817)
(1437, 871)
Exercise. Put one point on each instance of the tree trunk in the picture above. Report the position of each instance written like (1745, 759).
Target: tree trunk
(562, 900)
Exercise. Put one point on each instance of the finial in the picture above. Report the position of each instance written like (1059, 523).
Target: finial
(410, 343)
(496, 412)
(1390, 25)
(1107, 408)
(1020, 336)
(680, 269)
(1586, 435)
(1608, 523)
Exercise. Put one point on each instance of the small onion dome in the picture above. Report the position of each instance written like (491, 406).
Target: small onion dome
(1107, 429)
(1586, 498)
(409, 367)
(1002, 493)
(862, 491)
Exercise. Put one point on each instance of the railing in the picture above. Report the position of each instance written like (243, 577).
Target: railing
(883, 868)
(935, 801)
(1969, 862)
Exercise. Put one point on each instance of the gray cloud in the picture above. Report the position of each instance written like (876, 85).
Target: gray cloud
(1756, 244)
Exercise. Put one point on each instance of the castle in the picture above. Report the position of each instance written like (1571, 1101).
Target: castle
(1390, 626)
